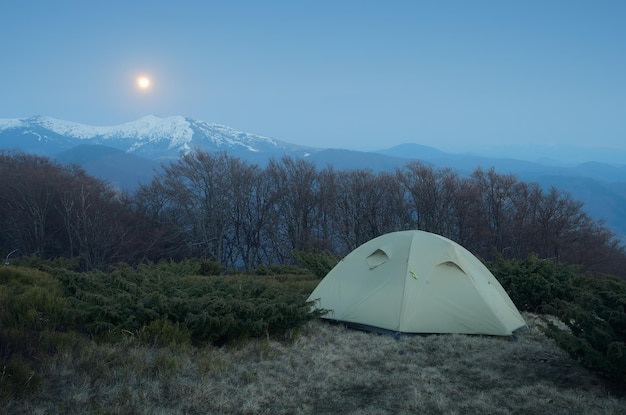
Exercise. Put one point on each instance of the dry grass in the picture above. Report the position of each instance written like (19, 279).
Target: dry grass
(326, 370)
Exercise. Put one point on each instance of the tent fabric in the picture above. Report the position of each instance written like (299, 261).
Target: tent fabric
(416, 282)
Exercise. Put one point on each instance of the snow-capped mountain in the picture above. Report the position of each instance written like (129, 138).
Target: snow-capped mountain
(152, 137)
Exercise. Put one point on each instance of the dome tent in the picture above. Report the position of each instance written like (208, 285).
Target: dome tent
(416, 282)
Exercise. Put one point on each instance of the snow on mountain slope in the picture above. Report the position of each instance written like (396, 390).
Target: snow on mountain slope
(149, 136)
(6, 123)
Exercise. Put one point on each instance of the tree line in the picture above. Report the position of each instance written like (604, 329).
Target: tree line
(242, 216)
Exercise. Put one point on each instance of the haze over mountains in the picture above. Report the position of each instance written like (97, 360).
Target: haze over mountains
(130, 153)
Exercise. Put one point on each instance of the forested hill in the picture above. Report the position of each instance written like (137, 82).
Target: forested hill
(242, 216)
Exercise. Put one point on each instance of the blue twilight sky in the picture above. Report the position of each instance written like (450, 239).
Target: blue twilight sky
(363, 74)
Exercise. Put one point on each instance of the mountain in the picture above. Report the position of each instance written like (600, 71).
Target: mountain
(559, 155)
(342, 159)
(123, 170)
(528, 170)
(130, 153)
(150, 137)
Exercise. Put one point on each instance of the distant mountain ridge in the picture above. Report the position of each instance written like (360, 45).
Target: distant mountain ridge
(466, 163)
(131, 153)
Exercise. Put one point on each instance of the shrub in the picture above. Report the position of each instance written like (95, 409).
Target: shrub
(210, 268)
(163, 332)
(210, 309)
(185, 267)
(533, 283)
(265, 270)
(320, 263)
(32, 314)
(44, 311)
(593, 308)
(30, 299)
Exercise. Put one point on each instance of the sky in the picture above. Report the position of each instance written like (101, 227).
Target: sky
(364, 75)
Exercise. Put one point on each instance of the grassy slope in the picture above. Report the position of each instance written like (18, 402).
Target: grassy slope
(326, 370)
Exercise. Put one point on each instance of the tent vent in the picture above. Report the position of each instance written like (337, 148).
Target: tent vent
(453, 265)
(377, 258)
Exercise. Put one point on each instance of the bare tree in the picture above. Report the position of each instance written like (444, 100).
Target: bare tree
(354, 215)
(52, 211)
(196, 196)
(27, 203)
(430, 197)
(325, 231)
(250, 213)
(497, 196)
(219, 207)
(164, 230)
(295, 199)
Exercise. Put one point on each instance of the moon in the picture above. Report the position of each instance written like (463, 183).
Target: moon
(143, 82)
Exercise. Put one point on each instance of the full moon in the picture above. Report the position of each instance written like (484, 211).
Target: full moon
(143, 82)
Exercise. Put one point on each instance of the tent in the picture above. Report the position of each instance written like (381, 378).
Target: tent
(416, 282)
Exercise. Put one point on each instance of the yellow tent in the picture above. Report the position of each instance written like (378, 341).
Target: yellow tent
(416, 282)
